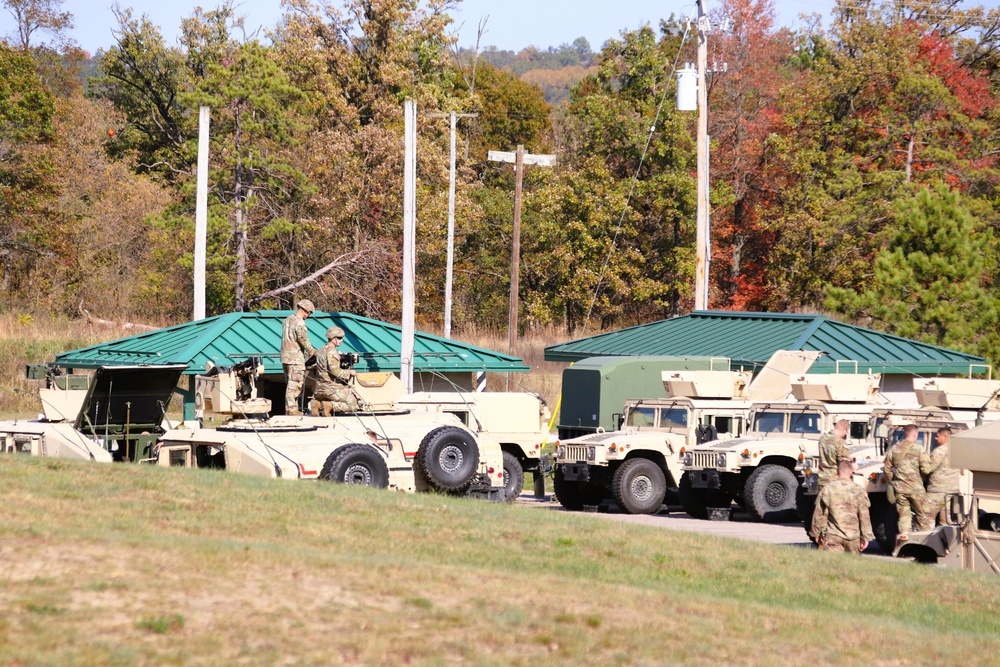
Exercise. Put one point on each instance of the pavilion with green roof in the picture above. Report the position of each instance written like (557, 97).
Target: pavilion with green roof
(749, 340)
(439, 363)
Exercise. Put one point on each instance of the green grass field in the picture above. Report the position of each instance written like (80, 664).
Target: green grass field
(121, 565)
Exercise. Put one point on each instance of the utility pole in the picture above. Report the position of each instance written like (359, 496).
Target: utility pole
(520, 160)
(201, 215)
(451, 219)
(703, 242)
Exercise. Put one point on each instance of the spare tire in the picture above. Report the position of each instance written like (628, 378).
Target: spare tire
(358, 464)
(448, 457)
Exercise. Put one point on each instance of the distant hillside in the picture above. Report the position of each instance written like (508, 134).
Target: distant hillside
(555, 70)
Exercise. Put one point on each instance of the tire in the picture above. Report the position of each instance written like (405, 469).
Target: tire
(770, 494)
(885, 522)
(513, 477)
(694, 501)
(639, 486)
(357, 464)
(805, 504)
(448, 457)
(574, 495)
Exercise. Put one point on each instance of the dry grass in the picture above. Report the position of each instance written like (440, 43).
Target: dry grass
(135, 566)
(26, 339)
(545, 377)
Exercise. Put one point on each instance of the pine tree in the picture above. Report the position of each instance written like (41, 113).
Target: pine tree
(929, 278)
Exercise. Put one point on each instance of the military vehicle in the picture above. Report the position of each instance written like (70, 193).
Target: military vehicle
(970, 539)
(758, 471)
(115, 414)
(636, 464)
(516, 421)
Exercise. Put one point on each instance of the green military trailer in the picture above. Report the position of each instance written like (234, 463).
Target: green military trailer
(594, 390)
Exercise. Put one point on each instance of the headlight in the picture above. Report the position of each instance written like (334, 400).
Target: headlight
(688, 459)
(591, 453)
(721, 461)
(560, 452)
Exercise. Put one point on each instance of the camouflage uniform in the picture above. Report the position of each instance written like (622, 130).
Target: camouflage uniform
(295, 349)
(332, 382)
(941, 481)
(904, 464)
(840, 520)
(832, 450)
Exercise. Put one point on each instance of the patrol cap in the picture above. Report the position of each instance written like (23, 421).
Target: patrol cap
(334, 332)
(306, 305)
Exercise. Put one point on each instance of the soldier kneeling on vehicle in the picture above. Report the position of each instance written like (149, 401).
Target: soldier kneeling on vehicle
(840, 521)
(333, 372)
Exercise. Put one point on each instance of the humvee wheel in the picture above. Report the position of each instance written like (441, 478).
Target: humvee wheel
(513, 477)
(770, 493)
(448, 457)
(805, 504)
(574, 495)
(358, 464)
(639, 486)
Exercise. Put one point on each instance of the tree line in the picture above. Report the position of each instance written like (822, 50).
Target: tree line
(853, 168)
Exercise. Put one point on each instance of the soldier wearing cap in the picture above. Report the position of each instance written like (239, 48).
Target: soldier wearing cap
(295, 349)
(333, 391)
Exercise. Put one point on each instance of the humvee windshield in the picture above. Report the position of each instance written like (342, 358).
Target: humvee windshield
(774, 422)
(641, 417)
(669, 417)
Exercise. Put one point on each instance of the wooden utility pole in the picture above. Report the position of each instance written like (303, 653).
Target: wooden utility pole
(451, 219)
(520, 160)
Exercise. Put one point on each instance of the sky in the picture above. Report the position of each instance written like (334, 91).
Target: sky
(511, 24)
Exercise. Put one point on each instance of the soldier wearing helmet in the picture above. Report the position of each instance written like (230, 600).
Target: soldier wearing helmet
(333, 383)
(295, 349)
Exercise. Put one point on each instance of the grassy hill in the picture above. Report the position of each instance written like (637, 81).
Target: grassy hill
(118, 565)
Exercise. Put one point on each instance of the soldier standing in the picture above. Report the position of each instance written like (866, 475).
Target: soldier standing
(904, 464)
(295, 349)
(840, 521)
(333, 389)
(941, 480)
(832, 450)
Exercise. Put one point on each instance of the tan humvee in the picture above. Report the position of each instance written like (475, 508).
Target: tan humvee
(760, 470)
(638, 463)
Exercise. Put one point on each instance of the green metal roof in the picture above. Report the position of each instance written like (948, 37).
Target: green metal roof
(228, 339)
(749, 339)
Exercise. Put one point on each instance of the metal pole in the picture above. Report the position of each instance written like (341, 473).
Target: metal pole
(515, 251)
(702, 241)
(201, 215)
(451, 235)
(409, 241)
